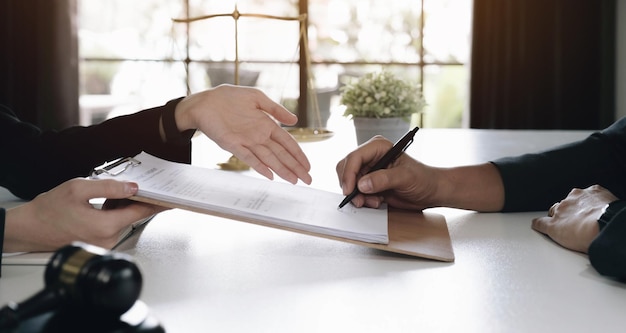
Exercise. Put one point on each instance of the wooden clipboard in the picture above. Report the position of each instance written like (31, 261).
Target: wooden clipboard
(411, 233)
(417, 234)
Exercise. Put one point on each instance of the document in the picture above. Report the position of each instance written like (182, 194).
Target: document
(276, 203)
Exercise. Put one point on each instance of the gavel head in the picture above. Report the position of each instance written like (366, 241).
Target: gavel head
(92, 278)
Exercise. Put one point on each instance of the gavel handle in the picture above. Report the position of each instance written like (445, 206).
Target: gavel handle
(44, 301)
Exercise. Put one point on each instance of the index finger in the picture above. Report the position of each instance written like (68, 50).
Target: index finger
(123, 216)
(291, 145)
(276, 110)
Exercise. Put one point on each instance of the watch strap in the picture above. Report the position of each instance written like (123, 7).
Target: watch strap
(612, 209)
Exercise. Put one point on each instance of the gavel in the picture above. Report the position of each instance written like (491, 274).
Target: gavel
(81, 276)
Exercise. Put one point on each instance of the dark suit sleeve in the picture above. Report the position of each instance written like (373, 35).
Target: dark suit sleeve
(35, 161)
(607, 252)
(2, 217)
(534, 182)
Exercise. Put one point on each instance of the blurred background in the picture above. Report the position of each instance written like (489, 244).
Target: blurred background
(550, 64)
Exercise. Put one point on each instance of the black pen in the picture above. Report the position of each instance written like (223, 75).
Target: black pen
(389, 157)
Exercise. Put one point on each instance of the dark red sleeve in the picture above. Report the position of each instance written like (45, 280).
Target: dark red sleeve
(35, 161)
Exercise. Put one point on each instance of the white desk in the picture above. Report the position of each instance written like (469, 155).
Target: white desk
(206, 274)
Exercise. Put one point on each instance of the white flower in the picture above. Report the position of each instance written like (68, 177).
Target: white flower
(381, 95)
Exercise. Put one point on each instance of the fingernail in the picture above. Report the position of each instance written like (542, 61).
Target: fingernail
(131, 188)
(365, 185)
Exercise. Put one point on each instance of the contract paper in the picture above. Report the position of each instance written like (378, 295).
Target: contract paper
(233, 194)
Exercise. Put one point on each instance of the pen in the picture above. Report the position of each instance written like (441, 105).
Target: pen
(389, 157)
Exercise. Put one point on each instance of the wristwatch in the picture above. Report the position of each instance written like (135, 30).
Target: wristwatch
(610, 211)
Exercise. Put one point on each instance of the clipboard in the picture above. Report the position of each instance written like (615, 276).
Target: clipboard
(417, 234)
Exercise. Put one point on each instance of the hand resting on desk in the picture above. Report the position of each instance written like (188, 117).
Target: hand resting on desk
(573, 222)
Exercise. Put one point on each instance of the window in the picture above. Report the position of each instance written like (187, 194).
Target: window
(134, 56)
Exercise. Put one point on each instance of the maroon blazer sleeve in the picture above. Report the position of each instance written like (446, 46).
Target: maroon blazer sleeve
(34, 161)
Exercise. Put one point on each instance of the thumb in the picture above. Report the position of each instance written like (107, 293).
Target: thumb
(279, 112)
(107, 188)
(375, 182)
(541, 224)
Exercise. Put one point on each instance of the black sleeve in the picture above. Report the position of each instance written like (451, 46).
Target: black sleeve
(35, 161)
(607, 252)
(2, 217)
(536, 181)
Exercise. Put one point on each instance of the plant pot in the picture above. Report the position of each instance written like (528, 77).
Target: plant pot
(391, 128)
(324, 97)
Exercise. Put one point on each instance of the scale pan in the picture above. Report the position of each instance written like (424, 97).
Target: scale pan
(305, 134)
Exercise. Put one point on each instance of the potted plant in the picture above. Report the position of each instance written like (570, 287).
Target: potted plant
(381, 103)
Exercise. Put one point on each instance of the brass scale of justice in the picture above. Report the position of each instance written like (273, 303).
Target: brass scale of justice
(300, 134)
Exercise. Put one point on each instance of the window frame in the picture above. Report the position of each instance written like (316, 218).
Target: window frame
(303, 6)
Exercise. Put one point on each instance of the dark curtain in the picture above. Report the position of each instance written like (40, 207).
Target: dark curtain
(39, 61)
(543, 64)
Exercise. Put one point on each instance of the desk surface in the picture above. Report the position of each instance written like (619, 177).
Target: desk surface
(204, 273)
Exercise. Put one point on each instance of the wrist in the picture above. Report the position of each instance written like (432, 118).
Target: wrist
(16, 221)
(444, 188)
(171, 127)
(475, 187)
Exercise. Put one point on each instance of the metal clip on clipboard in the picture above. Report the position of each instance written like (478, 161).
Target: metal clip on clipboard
(116, 167)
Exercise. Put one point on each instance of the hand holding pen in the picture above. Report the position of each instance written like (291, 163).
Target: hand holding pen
(395, 151)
